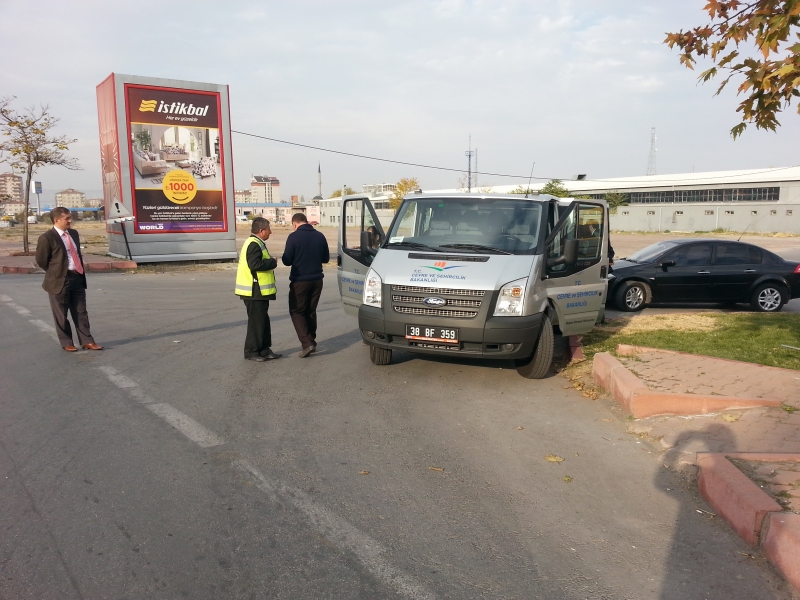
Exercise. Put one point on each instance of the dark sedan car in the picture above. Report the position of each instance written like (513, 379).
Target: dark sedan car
(696, 271)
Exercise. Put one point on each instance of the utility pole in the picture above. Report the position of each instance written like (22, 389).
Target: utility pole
(319, 178)
(476, 168)
(651, 161)
(469, 154)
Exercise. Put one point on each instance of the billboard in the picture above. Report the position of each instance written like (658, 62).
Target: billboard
(173, 171)
(176, 170)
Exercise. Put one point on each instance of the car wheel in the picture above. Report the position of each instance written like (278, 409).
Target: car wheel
(768, 297)
(380, 356)
(632, 296)
(539, 363)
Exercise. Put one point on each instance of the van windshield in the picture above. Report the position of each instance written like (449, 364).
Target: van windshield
(484, 225)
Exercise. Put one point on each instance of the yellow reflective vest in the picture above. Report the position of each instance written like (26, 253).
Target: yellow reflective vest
(245, 278)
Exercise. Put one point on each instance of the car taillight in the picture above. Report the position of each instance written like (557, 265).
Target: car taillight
(797, 269)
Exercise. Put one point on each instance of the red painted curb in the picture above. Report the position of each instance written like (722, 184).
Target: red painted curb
(123, 264)
(98, 266)
(634, 395)
(781, 543)
(737, 499)
(575, 348)
(648, 404)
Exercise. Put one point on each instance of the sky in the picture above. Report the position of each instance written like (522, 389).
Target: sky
(563, 86)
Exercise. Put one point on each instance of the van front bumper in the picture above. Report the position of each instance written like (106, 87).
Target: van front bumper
(496, 337)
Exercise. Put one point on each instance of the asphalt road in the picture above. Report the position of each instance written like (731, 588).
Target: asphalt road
(166, 466)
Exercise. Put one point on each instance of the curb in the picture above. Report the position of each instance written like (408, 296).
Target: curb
(628, 350)
(574, 349)
(633, 394)
(756, 517)
(114, 265)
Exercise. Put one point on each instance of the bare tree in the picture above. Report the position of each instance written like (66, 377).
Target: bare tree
(27, 144)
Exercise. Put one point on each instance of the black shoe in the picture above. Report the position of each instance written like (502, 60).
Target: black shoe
(314, 348)
(270, 355)
(256, 358)
(306, 352)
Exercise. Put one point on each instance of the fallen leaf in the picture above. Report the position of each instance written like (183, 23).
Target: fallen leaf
(553, 458)
(520, 428)
(606, 420)
(566, 387)
(363, 472)
(567, 478)
(436, 468)
(730, 418)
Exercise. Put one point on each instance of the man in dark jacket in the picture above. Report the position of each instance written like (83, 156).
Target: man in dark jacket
(306, 251)
(58, 253)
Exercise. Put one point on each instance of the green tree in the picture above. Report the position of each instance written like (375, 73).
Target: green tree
(556, 188)
(403, 187)
(615, 200)
(26, 143)
(769, 82)
(338, 193)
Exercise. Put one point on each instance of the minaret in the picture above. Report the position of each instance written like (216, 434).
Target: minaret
(319, 179)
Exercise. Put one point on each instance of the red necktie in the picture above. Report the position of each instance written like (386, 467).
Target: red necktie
(73, 252)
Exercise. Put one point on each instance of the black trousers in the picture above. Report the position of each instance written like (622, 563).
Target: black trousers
(303, 301)
(259, 335)
(72, 299)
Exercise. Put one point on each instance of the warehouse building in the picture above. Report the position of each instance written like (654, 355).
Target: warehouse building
(755, 200)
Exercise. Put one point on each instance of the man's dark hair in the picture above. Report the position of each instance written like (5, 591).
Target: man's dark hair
(58, 212)
(259, 223)
(299, 218)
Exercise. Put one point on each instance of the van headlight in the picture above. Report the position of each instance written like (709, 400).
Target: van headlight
(511, 299)
(372, 289)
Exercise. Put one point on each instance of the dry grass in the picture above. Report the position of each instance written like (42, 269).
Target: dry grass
(674, 322)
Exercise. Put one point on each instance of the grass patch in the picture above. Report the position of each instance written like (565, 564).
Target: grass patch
(748, 337)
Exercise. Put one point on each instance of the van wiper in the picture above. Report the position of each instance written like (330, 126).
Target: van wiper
(475, 247)
(413, 245)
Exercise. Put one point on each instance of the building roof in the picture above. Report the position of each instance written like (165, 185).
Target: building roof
(709, 178)
(265, 179)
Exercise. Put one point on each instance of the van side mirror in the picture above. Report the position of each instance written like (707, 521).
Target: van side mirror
(367, 240)
(667, 263)
(569, 257)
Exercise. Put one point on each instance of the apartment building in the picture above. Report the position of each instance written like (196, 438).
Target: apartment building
(11, 186)
(70, 198)
(265, 190)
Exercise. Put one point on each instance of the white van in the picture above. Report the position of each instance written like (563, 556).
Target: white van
(474, 275)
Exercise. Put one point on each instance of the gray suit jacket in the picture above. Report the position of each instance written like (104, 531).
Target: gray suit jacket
(51, 256)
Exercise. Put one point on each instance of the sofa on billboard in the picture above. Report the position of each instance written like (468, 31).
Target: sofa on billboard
(148, 163)
(207, 167)
(173, 153)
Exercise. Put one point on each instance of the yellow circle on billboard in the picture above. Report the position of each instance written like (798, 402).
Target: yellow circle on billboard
(179, 186)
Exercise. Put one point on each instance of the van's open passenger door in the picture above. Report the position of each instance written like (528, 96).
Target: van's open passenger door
(357, 217)
(577, 291)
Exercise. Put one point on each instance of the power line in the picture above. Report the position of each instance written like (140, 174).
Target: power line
(410, 164)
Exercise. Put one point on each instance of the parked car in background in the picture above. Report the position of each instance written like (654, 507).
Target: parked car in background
(703, 270)
(314, 223)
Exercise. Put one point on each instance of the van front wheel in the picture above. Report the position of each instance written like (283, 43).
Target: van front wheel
(537, 366)
(380, 356)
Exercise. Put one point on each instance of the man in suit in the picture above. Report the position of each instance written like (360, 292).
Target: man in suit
(306, 251)
(58, 253)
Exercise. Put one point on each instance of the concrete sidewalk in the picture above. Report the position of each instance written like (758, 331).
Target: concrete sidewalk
(748, 459)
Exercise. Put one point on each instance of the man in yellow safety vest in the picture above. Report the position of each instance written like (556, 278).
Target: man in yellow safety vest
(255, 284)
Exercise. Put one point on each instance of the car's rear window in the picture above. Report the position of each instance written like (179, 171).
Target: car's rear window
(737, 254)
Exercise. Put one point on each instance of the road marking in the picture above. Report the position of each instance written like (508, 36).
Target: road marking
(193, 430)
(186, 425)
(340, 532)
(48, 329)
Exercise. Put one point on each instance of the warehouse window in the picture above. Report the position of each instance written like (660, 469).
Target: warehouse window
(773, 212)
(709, 212)
(625, 212)
(728, 212)
(678, 212)
(753, 212)
(788, 213)
(651, 212)
(763, 194)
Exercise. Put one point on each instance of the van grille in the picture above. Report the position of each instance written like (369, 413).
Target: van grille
(440, 291)
(460, 307)
(436, 312)
(450, 301)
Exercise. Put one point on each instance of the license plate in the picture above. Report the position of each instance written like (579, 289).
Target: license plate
(444, 335)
